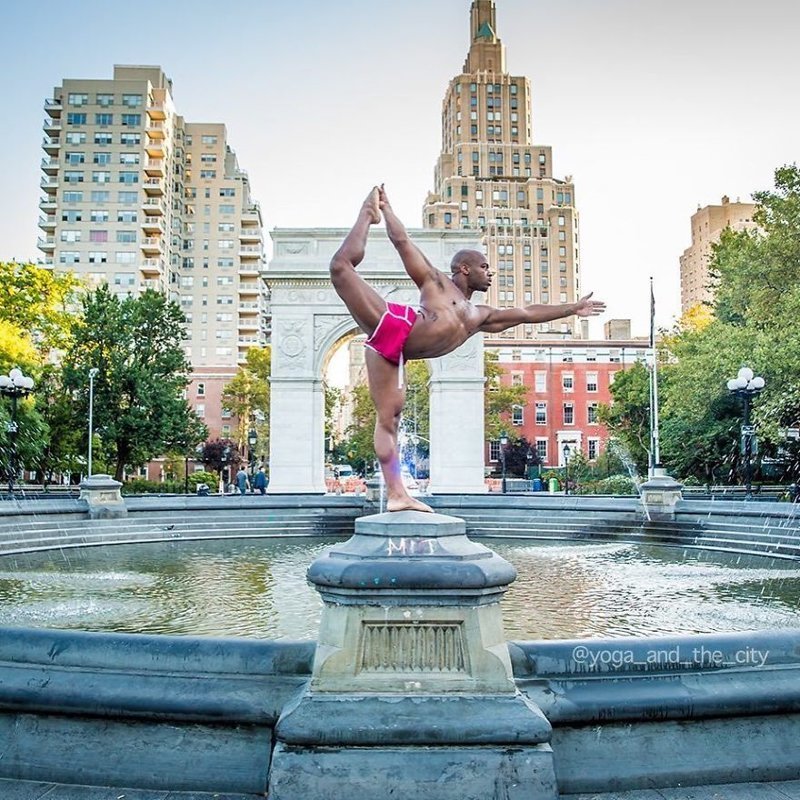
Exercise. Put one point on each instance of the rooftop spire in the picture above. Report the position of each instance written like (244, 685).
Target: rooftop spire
(486, 52)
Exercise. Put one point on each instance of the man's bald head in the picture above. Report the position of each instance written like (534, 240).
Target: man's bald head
(470, 258)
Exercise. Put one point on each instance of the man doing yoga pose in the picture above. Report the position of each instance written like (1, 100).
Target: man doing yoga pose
(444, 320)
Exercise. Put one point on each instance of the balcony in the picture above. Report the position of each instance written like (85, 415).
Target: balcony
(46, 244)
(250, 269)
(249, 323)
(249, 308)
(251, 235)
(152, 266)
(249, 340)
(152, 283)
(250, 288)
(155, 148)
(53, 107)
(251, 216)
(155, 110)
(47, 223)
(51, 125)
(153, 225)
(50, 165)
(153, 187)
(155, 167)
(51, 144)
(152, 205)
(47, 203)
(50, 185)
(250, 251)
(152, 244)
(156, 130)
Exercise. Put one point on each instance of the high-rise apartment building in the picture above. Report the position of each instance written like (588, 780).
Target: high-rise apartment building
(707, 226)
(135, 196)
(492, 177)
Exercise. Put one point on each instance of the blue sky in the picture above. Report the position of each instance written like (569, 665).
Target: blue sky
(653, 106)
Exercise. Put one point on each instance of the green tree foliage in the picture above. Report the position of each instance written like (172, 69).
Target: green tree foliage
(135, 344)
(246, 396)
(35, 320)
(628, 416)
(756, 276)
(499, 398)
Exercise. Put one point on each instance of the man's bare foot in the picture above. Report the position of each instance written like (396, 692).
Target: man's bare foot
(371, 207)
(406, 503)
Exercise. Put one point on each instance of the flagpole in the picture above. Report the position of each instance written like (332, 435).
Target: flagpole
(655, 449)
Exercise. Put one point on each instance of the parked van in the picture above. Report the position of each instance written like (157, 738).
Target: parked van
(342, 471)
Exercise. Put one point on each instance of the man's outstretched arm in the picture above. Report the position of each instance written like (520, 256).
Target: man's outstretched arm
(499, 319)
(418, 267)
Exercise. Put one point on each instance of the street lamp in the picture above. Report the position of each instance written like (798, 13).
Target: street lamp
(14, 385)
(92, 373)
(566, 450)
(252, 441)
(503, 443)
(746, 385)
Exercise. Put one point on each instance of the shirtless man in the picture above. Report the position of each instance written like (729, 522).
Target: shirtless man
(444, 320)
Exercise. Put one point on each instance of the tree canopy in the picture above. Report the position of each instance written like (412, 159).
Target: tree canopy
(140, 411)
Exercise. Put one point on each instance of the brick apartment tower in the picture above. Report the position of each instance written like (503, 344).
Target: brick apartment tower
(491, 177)
(135, 196)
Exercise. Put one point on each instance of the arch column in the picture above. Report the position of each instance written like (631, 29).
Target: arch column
(457, 421)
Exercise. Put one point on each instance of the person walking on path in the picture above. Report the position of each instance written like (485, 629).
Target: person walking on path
(260, 481)
(241, 480)
(444, 320)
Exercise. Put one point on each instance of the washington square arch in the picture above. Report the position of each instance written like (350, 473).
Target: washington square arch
(309, 320)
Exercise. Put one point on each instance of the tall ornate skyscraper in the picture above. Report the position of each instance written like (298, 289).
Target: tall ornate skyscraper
(492, 177)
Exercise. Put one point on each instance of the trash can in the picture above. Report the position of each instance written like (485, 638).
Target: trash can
(553, 485)
(202, 490)
(537, 485)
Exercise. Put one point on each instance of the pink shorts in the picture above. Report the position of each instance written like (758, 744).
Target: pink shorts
(394, 327)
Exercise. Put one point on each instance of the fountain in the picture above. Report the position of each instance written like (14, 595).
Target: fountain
(616, 713)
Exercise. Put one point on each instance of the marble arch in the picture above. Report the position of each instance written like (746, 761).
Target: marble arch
(308, 318)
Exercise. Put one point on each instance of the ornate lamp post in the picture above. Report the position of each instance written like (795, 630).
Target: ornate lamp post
(503, 443)
(14, 385)
(746, 385)
(566, 450)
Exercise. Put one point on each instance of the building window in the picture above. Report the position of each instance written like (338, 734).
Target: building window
(130, 139)
(541, 449)
(494, 450)
(517, 379)
(127, 216)
(593, 448)
(77, 99)
(126, 237)
(72, 197)
(541, 413)
(568, 382)
(131, 120)
(98, 257)
(540, 379)
(98, 236)
(591, 381)
(208, 138)
(104, 119)
(101, 158)
(73, 176)
(70, 236)
(127, 198)
(131, 100)
(201, 390)
(74, 158)
(591, 413)
(129, 177)
(101, 176)
(517, 415)
(73, 118)
(69, 257)
(569, 414)
(200, 410)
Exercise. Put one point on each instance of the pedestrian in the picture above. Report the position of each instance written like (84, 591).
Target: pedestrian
(241, 480)
(260, 481)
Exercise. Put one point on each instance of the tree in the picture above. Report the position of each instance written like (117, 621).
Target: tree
(628, 416)
(247, 397)
(499, 398)
(220, 454)
(34, 320)
(135, 344)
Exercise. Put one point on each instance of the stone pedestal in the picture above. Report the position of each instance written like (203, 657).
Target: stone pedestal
(412, 692)
(660, 493)
(102, 494)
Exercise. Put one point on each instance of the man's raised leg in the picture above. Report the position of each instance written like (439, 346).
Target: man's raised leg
(364, 304)
(389, 399)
